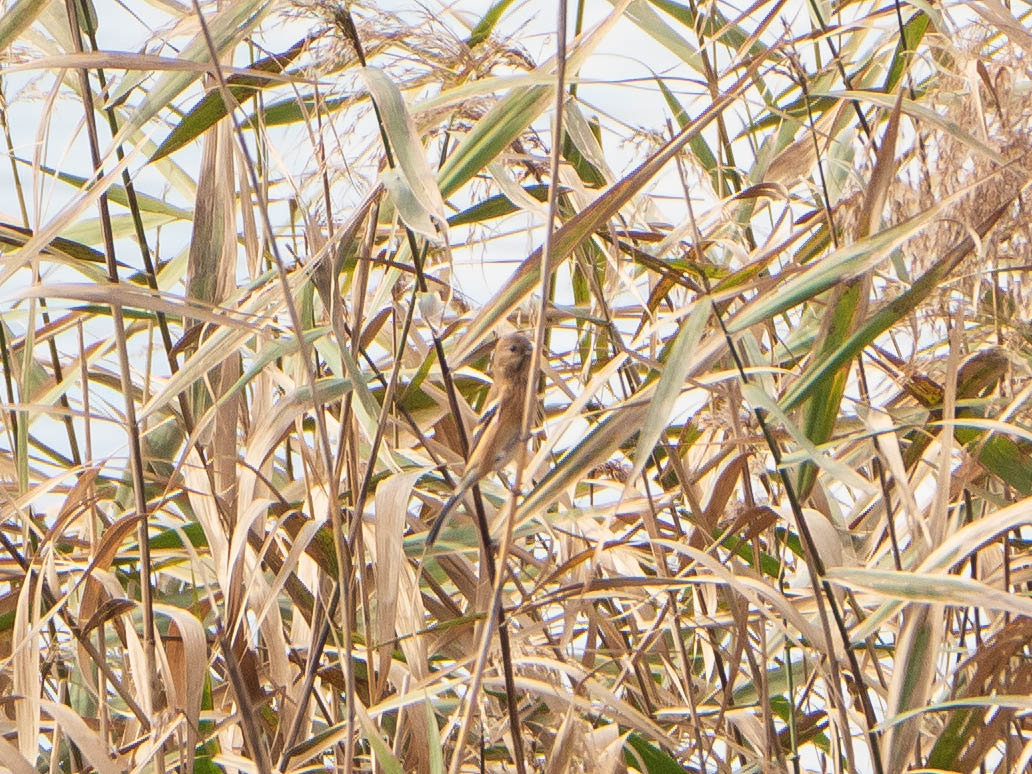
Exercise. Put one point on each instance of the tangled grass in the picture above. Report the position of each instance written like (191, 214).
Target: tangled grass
(774, 510)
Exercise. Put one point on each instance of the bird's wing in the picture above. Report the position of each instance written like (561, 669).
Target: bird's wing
(490, 411)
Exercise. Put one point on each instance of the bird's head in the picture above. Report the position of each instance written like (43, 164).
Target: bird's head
(511, 357)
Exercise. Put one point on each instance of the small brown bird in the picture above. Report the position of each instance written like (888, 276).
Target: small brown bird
(496, 437)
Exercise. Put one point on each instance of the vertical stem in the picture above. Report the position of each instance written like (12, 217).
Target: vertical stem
(132, 427)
